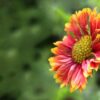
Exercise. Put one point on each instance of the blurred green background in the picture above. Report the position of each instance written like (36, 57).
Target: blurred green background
(27, 30)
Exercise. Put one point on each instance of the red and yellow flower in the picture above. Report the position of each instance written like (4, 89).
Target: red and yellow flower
(78, 53)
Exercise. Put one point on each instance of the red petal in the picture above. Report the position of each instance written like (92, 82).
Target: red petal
(69, 41)
(86, 68)
(93, 28)
(83, 19)
(78, 80)
(73, 27)
(96, 47)
(94, 64)
(97, 55)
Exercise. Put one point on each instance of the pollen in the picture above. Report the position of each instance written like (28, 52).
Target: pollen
(82, 49)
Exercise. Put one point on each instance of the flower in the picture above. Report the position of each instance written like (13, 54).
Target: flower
(78, 53)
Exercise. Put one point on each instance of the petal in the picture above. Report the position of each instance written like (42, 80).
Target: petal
(83, 19)
(58, 61)
(62, 73)
(95, 27)
(57, 43)
(93, 23)
(64, 47)
(61, 50)
(97, 55)
(94, 64)
(78, 80)
(98, 20)
(96, 47)
(73, 27)
(71, 71)
(86, 68)
(69, 41)
(55, 65)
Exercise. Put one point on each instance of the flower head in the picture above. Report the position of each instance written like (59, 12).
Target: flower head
(78, 53)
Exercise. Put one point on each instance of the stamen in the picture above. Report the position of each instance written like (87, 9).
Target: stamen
(82, 49)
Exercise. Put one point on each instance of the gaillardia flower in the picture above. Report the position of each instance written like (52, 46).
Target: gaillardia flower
(78, 53)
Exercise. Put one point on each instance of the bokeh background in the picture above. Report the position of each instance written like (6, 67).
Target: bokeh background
(27, 30)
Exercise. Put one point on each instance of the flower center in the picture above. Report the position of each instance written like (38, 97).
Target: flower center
(82, 49)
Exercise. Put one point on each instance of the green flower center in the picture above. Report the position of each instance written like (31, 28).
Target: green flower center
(82, 49)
